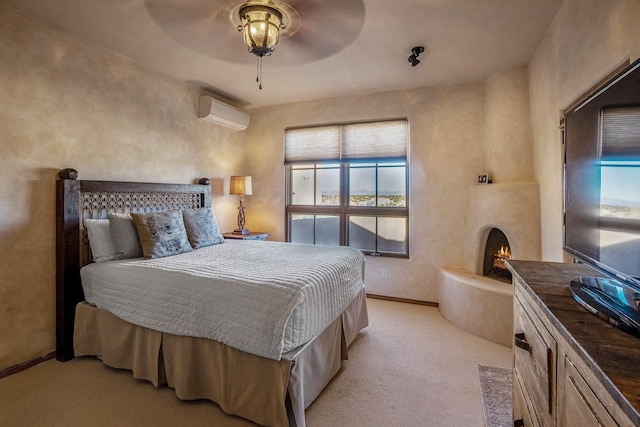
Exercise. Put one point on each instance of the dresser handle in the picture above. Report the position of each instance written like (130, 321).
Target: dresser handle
(518, 423)
(520, 341)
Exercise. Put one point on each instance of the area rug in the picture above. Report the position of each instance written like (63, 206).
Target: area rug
(496, 388)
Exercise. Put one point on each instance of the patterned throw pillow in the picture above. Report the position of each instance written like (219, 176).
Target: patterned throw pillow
(124, 236)
(161, 234)
(202, 227)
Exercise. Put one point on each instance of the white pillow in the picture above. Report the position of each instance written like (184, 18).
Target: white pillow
(100, 241)
(124, 236)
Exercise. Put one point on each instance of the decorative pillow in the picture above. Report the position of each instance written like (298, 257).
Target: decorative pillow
(202, 227)
(161, 234)
(100, 241)
(125, 237)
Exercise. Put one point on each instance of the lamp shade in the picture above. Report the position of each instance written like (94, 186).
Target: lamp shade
(260, 27)
(240, 185)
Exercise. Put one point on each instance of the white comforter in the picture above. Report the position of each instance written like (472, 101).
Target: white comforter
(264, 298)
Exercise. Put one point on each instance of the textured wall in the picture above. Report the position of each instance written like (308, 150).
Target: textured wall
(587, 40)
(508, 151)
(69, 103)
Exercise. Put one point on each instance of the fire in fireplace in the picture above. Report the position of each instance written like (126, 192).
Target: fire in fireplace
(500, 256)
(496, 253)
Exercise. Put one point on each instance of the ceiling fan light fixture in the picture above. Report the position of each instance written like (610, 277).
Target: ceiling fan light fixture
(261, 25)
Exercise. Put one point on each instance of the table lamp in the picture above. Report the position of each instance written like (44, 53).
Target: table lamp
(240, 185)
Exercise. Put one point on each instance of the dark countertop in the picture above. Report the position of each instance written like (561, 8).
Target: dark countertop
(612, 354)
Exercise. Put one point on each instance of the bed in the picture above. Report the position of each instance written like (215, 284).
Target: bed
(251, 362)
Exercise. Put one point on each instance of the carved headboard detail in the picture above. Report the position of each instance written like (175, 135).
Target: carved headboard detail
(78, 200)
(97, 204)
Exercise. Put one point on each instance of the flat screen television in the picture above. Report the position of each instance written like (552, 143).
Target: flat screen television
(602, 194)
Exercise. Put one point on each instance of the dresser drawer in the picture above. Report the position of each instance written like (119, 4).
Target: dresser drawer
(581, 406)
(523, 413)
(535, 353)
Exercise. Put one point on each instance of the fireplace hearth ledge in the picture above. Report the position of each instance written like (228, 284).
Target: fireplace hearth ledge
(478, 305)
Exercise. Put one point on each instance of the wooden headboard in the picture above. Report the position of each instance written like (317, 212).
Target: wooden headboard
(77, 200)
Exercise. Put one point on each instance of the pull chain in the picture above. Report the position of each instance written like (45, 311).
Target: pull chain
(259, 72)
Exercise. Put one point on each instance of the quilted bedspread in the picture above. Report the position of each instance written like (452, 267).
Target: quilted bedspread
(261, 297)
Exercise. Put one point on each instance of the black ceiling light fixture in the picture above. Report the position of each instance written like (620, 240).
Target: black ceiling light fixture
(415, 52)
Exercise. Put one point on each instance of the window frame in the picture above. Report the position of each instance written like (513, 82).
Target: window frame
(344, 210)
(616, 125)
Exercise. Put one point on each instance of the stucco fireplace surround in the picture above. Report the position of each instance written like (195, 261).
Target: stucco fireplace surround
(470, 300)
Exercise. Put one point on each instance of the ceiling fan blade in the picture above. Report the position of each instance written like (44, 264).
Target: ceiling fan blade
(316, 29)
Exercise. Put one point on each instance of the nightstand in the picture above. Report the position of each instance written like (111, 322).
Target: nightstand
(254, 235)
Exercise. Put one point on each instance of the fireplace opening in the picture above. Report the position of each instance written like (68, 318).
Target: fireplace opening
(495, 253)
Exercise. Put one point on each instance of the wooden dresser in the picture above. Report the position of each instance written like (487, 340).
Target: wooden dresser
(571, 368)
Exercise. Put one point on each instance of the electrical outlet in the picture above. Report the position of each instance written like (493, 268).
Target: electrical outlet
(385, 273)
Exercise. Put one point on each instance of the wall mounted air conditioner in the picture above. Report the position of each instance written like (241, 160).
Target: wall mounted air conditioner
(212, 110)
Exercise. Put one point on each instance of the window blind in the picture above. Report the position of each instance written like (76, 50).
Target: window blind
(374, 140)
(620, 133)
(309, 144)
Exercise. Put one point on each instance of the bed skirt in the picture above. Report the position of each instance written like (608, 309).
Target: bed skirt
(266, 391)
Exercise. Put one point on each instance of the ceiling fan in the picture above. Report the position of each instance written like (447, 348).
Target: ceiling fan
(311, 29)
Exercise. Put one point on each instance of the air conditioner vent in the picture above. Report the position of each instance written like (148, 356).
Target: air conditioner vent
(215, 111)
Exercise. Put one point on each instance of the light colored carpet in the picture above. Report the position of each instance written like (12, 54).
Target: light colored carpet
(410, 367)
(496, 388)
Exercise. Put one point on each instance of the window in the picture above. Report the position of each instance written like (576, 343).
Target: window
(619, 164)
(619, 219)
(347, 185)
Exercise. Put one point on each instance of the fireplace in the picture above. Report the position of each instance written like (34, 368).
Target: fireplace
(512, 209)
(496, 252)
(469, 299)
